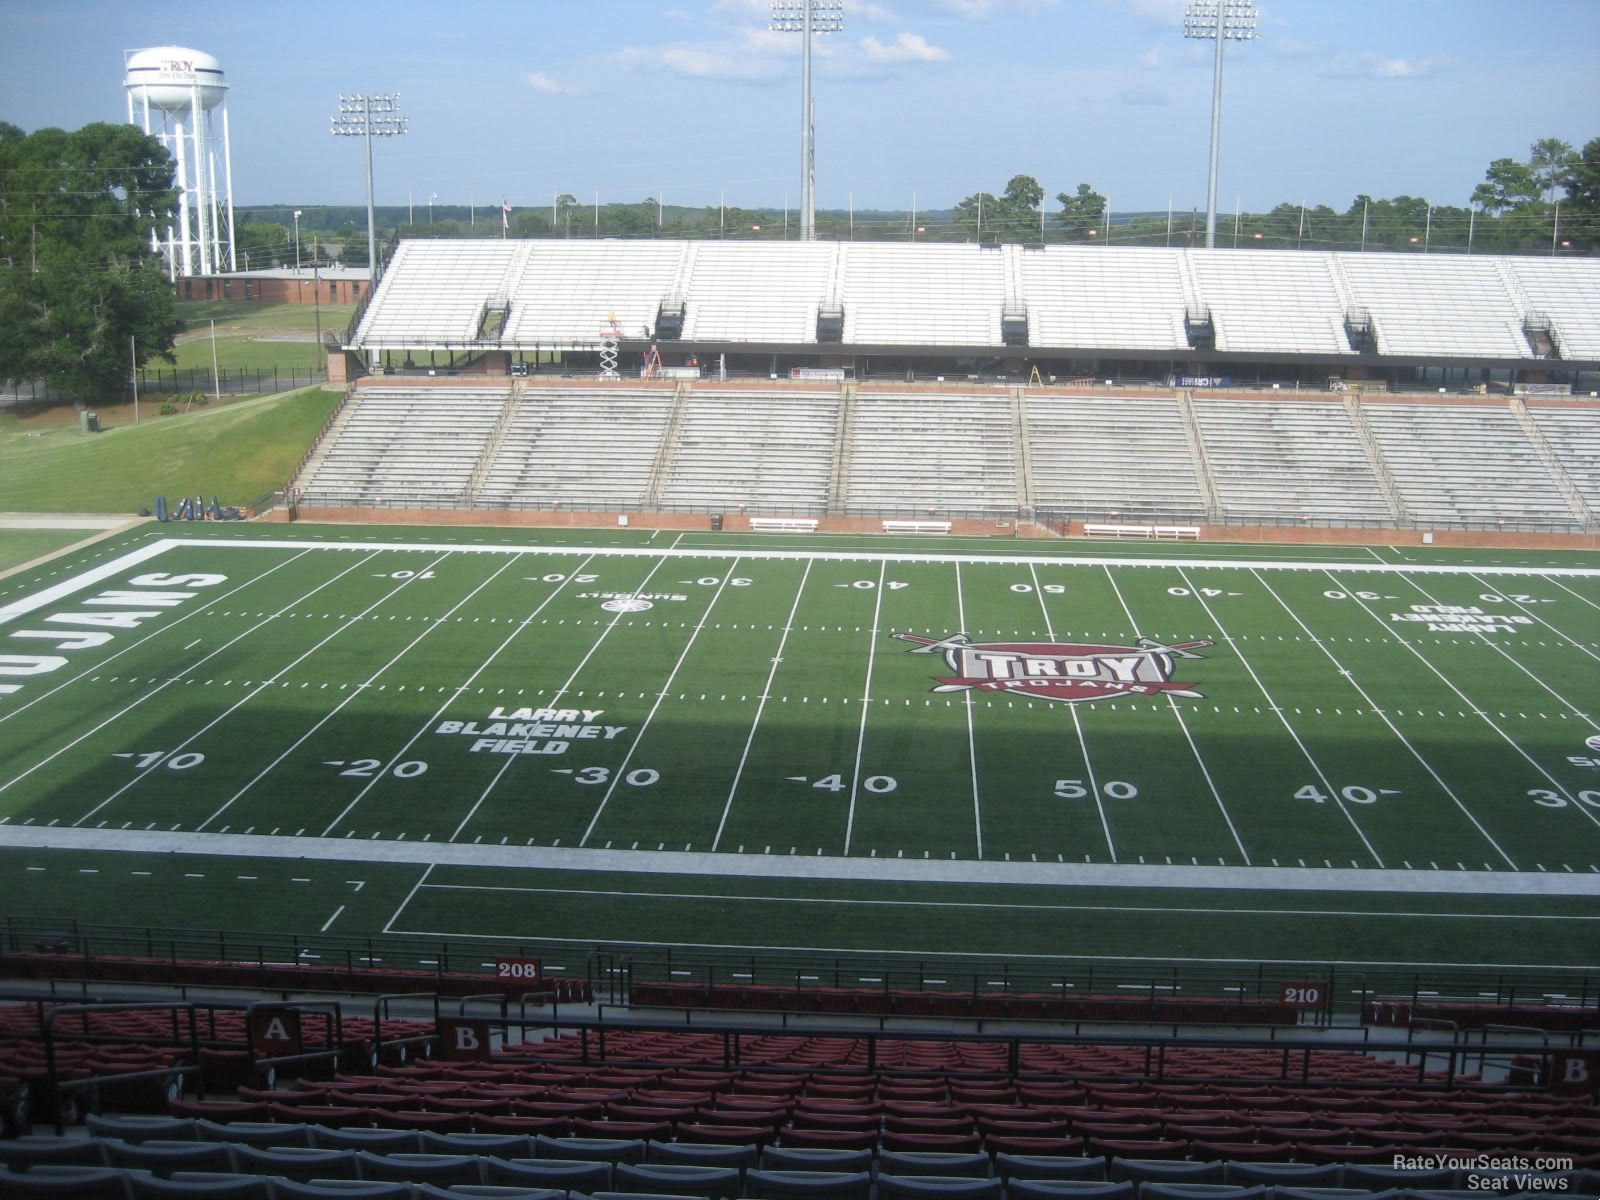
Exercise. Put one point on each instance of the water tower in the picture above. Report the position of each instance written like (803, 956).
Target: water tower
(175, 95)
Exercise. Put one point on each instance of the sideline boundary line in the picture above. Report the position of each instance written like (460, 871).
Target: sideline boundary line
(884, 556)
(678, 862)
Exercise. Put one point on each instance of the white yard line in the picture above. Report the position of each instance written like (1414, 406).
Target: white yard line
(972, 745)
(1377, 709)
(761, 705)
(555, 698)
(354, 694)
(1472, 705)
(1578, 596)
(494, 782)
(888, 556)
(388, 926)
(866, 704)
(800, 866)
(159, 688)
(190, 614)
(166, 756)
(456, 695)
(666, 688)
(1283, 718)
(1534, 613)
(1487, 640)
(77, 583)
(1077, 724)
(1177, 711)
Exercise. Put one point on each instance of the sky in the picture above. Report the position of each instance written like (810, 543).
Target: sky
(921, 101)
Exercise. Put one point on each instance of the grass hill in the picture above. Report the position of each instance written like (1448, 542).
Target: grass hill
(238, 450)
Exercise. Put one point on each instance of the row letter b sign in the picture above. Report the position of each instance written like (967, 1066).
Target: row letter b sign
(462, 1039)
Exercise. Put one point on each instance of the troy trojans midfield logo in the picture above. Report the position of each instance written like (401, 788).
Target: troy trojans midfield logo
(1055, 672)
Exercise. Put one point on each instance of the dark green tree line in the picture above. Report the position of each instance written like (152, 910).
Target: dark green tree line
(78, 278)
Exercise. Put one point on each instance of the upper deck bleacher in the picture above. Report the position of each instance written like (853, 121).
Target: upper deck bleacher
(1436, 306)
(570, 291)
(757, 292)
(927, 295)
(1566, 292)
(1079, 296)
(564, 293)
(1271, 301)
(434, 293)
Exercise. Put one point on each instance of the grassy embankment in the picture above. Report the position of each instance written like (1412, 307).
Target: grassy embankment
(237, 449)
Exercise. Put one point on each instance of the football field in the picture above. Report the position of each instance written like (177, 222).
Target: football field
(1019, 748)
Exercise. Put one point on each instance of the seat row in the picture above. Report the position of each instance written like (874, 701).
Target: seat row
(43, 1165)
(1256, 1139)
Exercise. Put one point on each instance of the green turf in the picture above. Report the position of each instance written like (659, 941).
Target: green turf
(762, 714)
(18, 546)
(239, 451)
(248, 352)
(232, 316)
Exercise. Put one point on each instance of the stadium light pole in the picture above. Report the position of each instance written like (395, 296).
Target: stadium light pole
(369, 116)
(807, 17)
(297, 241)
(1219, 21)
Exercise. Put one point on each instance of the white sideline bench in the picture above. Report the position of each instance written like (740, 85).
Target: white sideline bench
(1159, 533)
(783, 524)
(916, 526)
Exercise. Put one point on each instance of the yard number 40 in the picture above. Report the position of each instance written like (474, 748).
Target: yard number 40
(1354, 794)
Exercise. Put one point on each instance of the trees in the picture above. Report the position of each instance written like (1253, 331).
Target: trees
(78, 278)
(1013, 216)
(1549, 160)
(1508, 184)
(1081, 211)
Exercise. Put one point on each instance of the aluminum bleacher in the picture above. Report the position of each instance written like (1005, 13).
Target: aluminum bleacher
(757, 292)
(760, 451)
(1573, 432)
(1437, 305)
(951, 454)
(1082, 296)
(1467, 465)
(1272, 460)
(562, 294)
(434, 293)
(399, 443)
(1564, 291)
(922, 295)
(586, 448)
(570, 290)
(1271, 301)
(1097, 455)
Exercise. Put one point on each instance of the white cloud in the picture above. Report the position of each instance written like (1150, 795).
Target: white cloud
(983, 10)
(906, 47)
(1293, 47)
(1379, 66)
(1149, 12)
(705, 61)
(540, 82)
(1152, 58)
